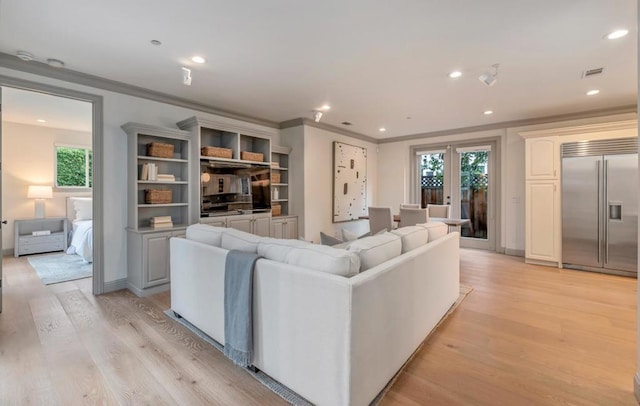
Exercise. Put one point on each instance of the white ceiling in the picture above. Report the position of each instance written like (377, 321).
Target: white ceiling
(375, 62)
(25, 107)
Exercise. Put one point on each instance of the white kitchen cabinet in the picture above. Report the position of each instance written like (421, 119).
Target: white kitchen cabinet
(542, 222)
(542, 158)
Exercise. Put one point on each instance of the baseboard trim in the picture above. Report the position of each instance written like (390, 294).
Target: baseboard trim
(7, 252)
(636, 387)
(112, 286)
(148, 291)
(514, 253)
(541, 262)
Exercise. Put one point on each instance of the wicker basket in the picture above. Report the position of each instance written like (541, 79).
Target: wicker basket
(216, 152)
(251, 156)
(160, 150)
(157, 196)
(275, 177)
(276, 210)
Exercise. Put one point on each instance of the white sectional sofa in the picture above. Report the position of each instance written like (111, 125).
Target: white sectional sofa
(324, 325)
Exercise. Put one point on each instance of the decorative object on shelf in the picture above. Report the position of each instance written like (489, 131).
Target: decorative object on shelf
(275, 177)
(217, 152)
(39, 193)
(160, 150)
(149, 171)
(157, 196)
(251, 156)
(275, 164)
(161, 222)
(349, 182)
(276, 210)
(163, 177)
(276, 194)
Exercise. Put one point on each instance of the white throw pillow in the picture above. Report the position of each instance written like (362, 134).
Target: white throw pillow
(323, 259)
(412, 237)
(233, 239)
(376, 249)
(83, 208)
(206, 234)
(437, 229)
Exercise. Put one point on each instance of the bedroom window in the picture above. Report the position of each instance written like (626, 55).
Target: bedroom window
(73, 167)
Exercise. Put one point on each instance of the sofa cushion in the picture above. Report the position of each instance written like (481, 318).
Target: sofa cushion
(325, 259)
(412, 237)
(205, 234)
(376, 249)
(233, 239)
(437, 229)
(277, 249)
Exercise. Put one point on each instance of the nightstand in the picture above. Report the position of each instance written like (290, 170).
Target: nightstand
(27, 243)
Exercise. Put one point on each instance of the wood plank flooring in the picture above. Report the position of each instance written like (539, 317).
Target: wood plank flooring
(526, 335)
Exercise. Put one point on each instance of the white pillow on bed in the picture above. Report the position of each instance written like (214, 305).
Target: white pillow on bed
(83, 208)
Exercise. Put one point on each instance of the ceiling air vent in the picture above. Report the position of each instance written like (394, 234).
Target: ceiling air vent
(345, 123)
(592, 72)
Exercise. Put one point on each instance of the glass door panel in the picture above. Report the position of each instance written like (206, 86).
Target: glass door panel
(432, 178)
(474, 193)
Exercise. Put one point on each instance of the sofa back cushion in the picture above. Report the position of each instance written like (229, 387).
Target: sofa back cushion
(412, 237)
(310, 256)
(376, 249)
(233, 239)
(437, 229)
(205, 234)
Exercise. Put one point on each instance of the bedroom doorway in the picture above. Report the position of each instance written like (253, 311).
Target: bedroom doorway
(48, 179)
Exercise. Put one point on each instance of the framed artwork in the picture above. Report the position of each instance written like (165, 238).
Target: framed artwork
(349, 182)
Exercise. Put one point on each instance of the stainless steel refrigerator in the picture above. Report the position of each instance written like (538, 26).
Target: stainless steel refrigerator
(600, 206)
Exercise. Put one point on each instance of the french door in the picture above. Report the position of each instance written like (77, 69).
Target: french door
(462, 177)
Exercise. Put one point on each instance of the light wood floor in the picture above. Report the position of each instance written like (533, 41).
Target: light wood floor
(525, 335)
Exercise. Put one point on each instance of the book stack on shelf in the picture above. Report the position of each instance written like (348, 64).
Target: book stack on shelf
(161, 177)
(150, 172)
(161, 222)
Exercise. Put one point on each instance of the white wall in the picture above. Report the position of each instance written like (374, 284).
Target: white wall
(311, 180)
(28, 159)
(119, 109)
(395, 165)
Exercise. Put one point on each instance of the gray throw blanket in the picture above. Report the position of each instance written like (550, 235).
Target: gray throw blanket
(238, 306)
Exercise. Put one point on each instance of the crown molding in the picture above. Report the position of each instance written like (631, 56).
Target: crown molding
(582, 129)
(516, 123)
(296, 122)
(67, 75)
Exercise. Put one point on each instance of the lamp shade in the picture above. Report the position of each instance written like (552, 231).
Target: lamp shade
(40, 192)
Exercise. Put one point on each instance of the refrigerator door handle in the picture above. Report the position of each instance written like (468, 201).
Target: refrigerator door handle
(599, 198)
(606, 218)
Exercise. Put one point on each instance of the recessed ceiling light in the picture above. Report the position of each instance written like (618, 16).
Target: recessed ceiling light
(488, 112)
(346, 123)
(25, 56)
(382, 129)
(325, 107)
(55, 63)
(593, 92)
(617, 34)
(455, 74)
(198, 59)
(155, 42)
(40, 120)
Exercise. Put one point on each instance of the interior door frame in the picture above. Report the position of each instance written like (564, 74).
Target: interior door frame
(495, 170)
(98, 163)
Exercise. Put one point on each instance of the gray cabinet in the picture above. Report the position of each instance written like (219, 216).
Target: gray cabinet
(284, 227)
(50, 235)
(148, 259)
(257, 224)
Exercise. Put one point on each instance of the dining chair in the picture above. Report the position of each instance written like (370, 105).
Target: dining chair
(411, 217)
(380, 218)
(409, 206)
(442, 211)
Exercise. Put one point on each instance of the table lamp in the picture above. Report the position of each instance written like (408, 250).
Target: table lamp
(39, 193)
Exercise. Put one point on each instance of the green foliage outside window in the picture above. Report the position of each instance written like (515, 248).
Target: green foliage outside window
(73, 167)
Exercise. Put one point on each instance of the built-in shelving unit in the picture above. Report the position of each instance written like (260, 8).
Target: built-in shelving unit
(148, 246)
(280, 172)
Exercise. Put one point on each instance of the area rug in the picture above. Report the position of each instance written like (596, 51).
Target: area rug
(286, 393)
(56, 268)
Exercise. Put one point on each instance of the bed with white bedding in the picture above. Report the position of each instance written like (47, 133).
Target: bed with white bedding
(80, 216)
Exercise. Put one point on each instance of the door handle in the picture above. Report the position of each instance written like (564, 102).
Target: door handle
(4, 221)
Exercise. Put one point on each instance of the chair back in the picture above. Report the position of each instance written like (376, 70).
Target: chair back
(380, 218)
(411, 217)
(409, 206)
(442, 211)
